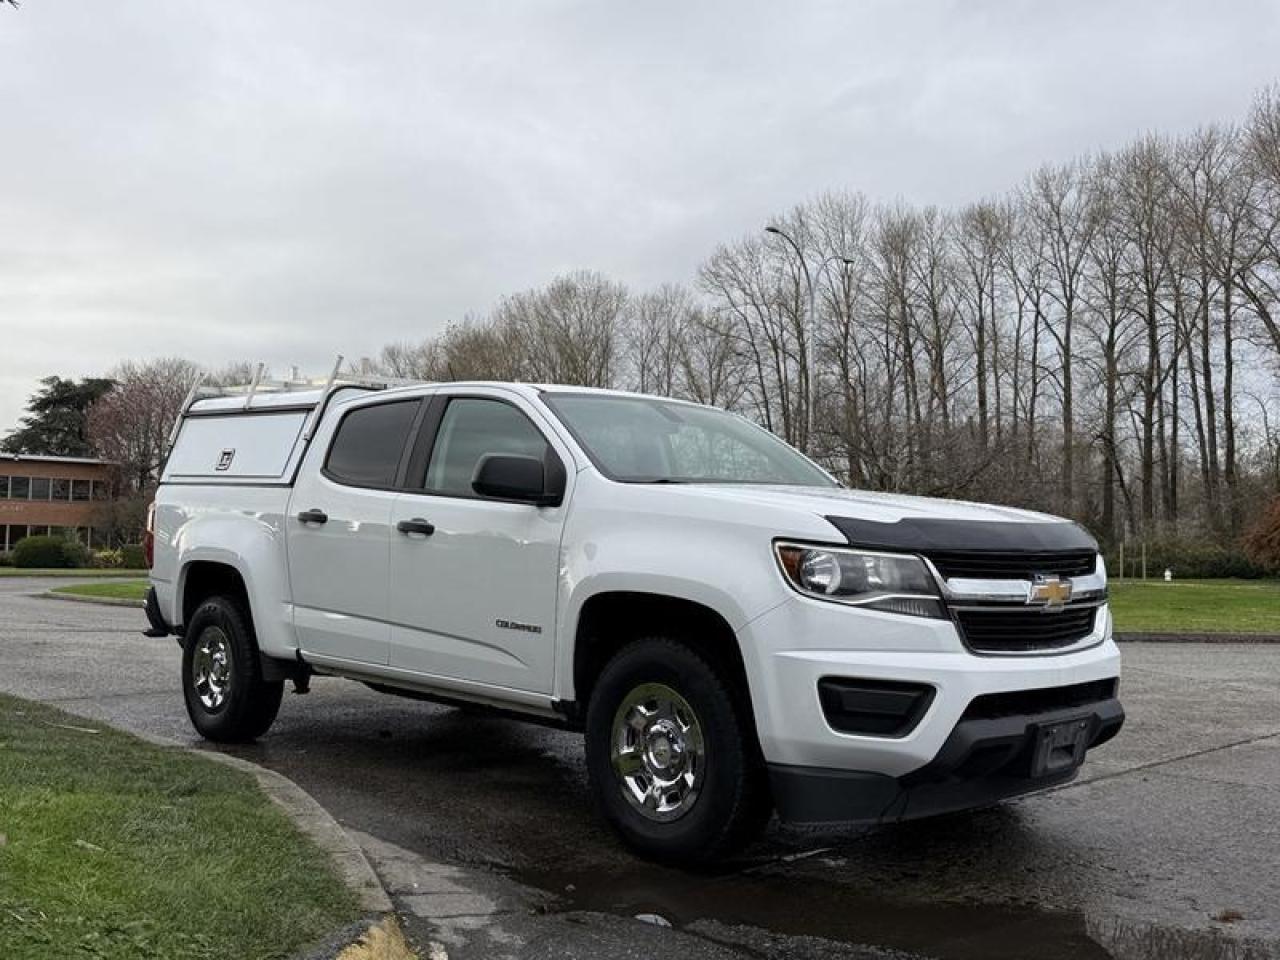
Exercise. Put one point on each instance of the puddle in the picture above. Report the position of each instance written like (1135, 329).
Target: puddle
(806, 908)
(946, 931)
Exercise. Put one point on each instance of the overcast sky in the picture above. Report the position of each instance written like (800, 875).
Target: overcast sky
(289, 180)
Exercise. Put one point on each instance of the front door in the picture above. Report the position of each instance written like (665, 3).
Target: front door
(339, 533)
(474, 580)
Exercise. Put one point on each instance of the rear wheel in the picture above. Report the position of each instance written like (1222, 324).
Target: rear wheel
(672, 756)
(227, 699)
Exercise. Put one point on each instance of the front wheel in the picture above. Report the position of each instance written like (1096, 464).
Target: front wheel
(227, 699)
(671, 755)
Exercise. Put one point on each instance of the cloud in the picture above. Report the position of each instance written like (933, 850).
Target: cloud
(291, 180)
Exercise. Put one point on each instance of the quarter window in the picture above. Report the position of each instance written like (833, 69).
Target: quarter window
(471, 429)
(367, 447)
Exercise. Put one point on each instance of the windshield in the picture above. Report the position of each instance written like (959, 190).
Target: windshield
(646, 440)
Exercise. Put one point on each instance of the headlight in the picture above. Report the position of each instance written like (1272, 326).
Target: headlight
(889, 582)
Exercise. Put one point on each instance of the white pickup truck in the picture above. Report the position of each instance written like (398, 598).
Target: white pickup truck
(733, 630)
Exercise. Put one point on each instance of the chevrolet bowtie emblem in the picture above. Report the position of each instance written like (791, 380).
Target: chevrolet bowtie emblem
(1051, 592)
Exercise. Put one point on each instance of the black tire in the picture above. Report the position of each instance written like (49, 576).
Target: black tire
(248, 704)
(732, 804)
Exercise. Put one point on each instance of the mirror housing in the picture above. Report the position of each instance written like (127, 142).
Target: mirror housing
(508, 476)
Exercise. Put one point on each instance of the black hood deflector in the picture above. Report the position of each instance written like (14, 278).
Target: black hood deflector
(922, 535)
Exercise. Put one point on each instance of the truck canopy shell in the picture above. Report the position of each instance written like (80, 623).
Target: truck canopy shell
(224, 440)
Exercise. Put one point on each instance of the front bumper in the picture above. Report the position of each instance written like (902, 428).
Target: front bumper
(822, 773)
(984, 760)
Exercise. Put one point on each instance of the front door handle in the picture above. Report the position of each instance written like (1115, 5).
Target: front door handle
(416, 525)
(313, 516)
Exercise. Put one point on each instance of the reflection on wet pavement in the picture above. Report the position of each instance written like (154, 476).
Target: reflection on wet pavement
(1046, 877)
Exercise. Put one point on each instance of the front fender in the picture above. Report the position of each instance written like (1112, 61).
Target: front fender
(725, 570)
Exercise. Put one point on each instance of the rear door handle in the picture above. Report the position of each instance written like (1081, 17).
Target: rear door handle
(416, 525)
(313, 516)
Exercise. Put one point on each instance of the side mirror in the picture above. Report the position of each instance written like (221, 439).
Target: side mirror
(505, 476)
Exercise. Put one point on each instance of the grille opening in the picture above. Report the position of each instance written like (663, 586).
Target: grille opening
(1013, 631)
(991, 706)
(1006, 565)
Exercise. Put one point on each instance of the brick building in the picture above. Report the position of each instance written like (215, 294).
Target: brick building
(40, 495)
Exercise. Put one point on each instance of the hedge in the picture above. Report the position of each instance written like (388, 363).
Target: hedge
(1188, 559)
(133, 556)
(49, 552)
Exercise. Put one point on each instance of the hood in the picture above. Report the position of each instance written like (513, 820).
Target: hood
(894, 521)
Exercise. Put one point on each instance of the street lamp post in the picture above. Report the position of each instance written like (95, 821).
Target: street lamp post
(810, 325)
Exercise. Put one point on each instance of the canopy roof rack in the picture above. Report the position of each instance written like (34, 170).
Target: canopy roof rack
(307, 391)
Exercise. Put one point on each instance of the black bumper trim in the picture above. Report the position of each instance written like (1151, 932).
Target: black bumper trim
(158, 627)
(982, 762)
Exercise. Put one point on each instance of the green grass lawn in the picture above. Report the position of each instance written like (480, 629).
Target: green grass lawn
(1196, 606)
(65, 572)
(112, 848)
(114, 589)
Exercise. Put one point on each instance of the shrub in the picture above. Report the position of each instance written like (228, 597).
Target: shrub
(133, 556)
(75, 553)
(1262, 541)
(108, 559)
(1188, 559)
(6, 559)
(36, 552)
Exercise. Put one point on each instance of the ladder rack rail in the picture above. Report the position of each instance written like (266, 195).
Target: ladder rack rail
(259, 386)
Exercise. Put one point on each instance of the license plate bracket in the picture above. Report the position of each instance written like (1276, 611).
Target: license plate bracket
(1060, 746)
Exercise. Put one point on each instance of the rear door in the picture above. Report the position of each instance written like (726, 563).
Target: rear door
(475, 598)
(339, 530)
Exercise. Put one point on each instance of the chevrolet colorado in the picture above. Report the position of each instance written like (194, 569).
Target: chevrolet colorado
(733, 631)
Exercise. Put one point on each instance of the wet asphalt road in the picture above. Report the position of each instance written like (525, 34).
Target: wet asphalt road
(1170, 825)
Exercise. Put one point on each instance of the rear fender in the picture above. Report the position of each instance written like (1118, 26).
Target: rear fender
(253, 546)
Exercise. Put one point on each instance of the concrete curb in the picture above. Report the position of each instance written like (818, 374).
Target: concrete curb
(1197, 638)
(72, 573)
(318, 824)
(101, 601)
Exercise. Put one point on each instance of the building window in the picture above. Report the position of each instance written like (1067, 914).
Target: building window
(19, 488)
(4, 488)
(40, 488)
(61, 489)
(80, 490)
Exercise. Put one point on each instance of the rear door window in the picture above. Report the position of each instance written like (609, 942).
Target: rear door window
(369, 443)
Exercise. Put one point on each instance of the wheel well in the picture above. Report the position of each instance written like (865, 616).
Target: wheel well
(205, 579)
(609, 621)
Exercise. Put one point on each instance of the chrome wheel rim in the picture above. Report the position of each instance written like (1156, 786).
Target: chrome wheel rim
(211, 668)
(658, 752)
